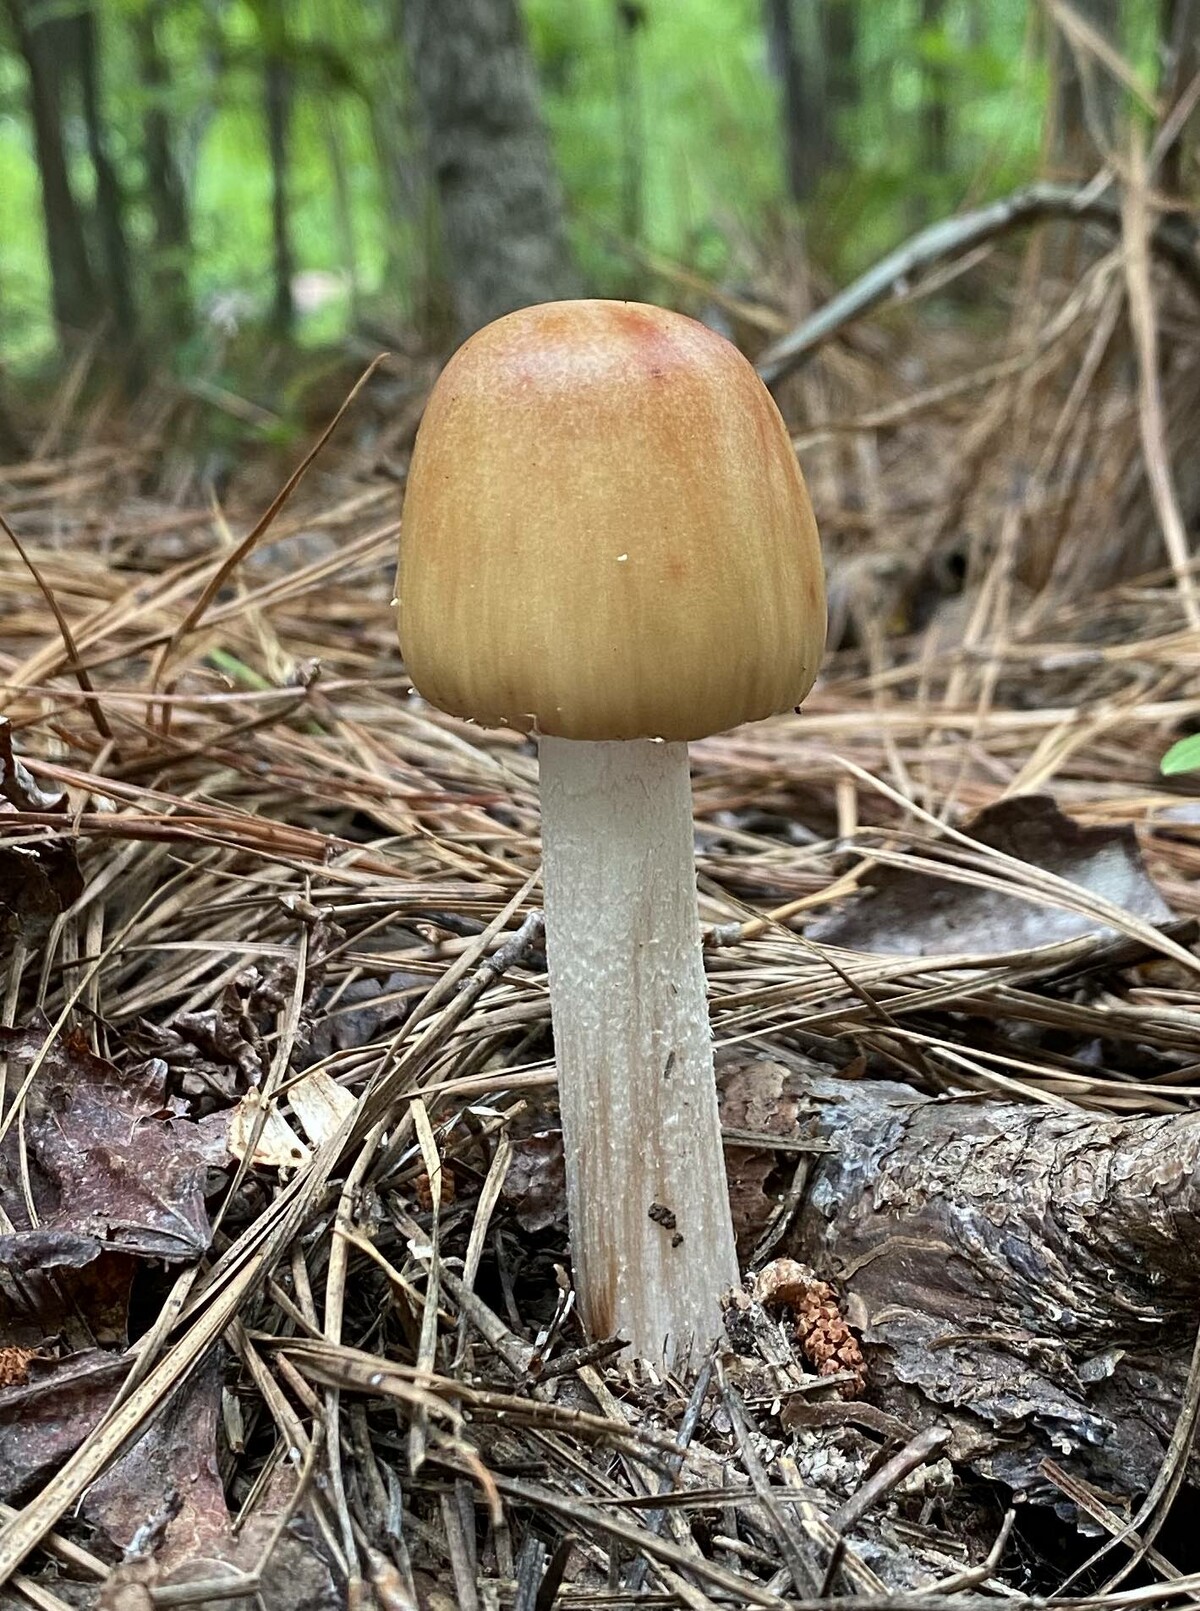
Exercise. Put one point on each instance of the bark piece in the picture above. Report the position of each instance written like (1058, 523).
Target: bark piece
(1027, 1276)
(1028, 1273)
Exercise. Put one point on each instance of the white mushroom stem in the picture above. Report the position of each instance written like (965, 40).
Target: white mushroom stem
(651, 1233)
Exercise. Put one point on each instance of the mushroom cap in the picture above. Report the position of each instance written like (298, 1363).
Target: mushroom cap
(606, 534)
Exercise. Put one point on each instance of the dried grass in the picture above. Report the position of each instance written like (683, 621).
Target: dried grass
(253, 786)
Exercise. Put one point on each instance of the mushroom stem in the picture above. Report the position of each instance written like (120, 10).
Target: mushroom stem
(652, 1236)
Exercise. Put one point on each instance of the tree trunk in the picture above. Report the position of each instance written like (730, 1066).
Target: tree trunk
(278, 105)
(110, 201)
(12, 444)
(41, 43)
(502, 227)
(629, 18)
(343, 202)
(1086, 97)
(165, 191)
(807, 143)
(839, 34)
(935, 103)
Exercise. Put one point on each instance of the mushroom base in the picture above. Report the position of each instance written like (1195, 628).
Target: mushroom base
(651, 1233)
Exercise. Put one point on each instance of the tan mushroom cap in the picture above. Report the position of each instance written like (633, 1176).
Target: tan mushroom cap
(606, 534)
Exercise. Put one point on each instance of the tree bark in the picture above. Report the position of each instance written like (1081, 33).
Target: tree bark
(41, 42)
(502, 227)
(110, 200)
(1024, 1276)
(165, 190)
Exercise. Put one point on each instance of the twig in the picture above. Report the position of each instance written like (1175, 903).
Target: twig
(800, 1569)
(915, 1453)
(1150, 409)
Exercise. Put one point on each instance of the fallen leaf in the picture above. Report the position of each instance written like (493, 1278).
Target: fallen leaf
(106, 1158)
(60, 1285)
(294, 1576)
(18, 790)
(366, 1011)
(44, 1418)
(911, 913)
(535, 1187)
(277, 1146)
(128, 1587)
(219, 1036)
(38, 881)
(320, 1104)
(172, 1471)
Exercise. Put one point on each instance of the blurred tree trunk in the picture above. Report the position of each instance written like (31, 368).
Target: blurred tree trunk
(628, 19)
(110, 199)
(389, 113)
(1086, 97)
(391, 142)
(935, 95)
(41, 39)
(808, 145)
(165, 191)
(839, 34)
(503, 236)
(343, 200)
(12, 445)
(1180, 35)
(277, 87)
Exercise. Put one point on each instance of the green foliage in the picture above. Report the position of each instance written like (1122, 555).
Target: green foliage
(678, 119)
(709, 153)
(24, 281)
(1183, 756)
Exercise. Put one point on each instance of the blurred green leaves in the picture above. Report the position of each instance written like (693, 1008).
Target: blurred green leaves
(689, 83)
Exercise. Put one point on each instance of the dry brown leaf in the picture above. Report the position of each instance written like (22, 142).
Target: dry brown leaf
(108, 1158)
(276, 1145)
(913, 913)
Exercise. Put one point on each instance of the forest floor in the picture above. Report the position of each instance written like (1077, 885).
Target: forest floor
(282, 1272)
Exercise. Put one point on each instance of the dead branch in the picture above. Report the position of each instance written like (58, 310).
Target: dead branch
(1174, 238)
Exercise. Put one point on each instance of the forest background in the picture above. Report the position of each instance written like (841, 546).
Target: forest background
(184, 173)
(246, 870)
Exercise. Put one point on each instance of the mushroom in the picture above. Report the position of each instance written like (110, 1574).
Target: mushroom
(607, 543)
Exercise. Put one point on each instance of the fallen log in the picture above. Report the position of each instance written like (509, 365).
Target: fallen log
(1025, 1274)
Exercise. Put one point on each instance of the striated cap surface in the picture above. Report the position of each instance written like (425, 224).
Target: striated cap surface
(606, 534)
